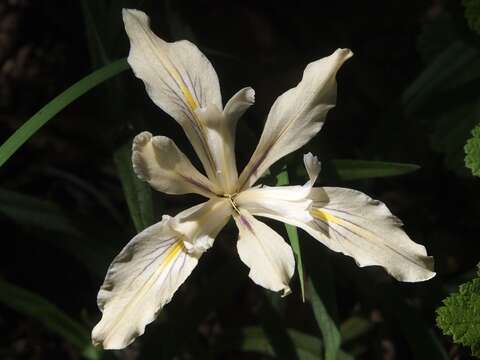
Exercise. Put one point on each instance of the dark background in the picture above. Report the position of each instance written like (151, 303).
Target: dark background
(62, 252)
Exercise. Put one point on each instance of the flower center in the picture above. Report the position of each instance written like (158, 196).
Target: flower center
(231, 198)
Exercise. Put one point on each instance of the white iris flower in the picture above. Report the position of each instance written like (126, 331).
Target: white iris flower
(151, 267)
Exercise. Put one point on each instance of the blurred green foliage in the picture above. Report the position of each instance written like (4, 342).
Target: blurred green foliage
(472, 14)
(460, 317)
(472, 150)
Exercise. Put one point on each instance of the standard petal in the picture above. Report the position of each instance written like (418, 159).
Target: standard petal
(178, 78)
(220, 128)
(268, 256)
(151, 267)
(160, 162)
(238, 104)
(352, 223)
(296, 116)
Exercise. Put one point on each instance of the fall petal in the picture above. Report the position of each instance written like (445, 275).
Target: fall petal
(178, 78)
(268, 256)
(352, 223)
(296, 116)
(149, 270)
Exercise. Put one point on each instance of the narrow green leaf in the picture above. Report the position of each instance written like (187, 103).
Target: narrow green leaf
(443, 71)
(282, 180)
(325, 318)
(29, 210)
(421, 338)
(46, 113)
(353, 328)
(275, 329)
(349, 170)
(88, 188)
(137, 193)
(254, 339)
(50, 316)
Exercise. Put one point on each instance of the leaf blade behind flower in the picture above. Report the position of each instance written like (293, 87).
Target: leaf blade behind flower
(137, 193)
(349, 170)
(46, 113)
(282, 180)
(35, 306)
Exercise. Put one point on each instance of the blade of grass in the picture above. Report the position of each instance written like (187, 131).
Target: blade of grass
(275, 329)
(254, 339)
(349, 170)
(46, 113)
(137, 193)
(321, 296)
(282, 180)
(420, 336)
(50, 316)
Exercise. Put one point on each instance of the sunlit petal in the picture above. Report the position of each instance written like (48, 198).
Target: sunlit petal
(220, 128)
(178, 78)
(350, 222)
(358, 226)
(149, 270)
(289, 201)
(268, 256)
(296, 116)
(158, 161)
(238, 104)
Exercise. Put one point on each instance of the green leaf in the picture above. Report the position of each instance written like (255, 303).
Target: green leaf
(46, 113)
(349, 170)
(460, 316)
(353, 328)
(93, 11)
(448, 70)
(254, 339)
(421, 338)
(50, 316)
(472, 14)
(275, 330)
(472, 151)
(83, 185)
(325, 318)
(435, 36)
(137, 193)
(282, 180)
(29, 210)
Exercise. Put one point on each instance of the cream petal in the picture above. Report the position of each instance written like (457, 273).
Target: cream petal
(289, 201)
(268, 256)
(149, 270)
(160, 162)
(238, 104)
(296, 116)
(352, 223)
(220, 134)
(178, 78)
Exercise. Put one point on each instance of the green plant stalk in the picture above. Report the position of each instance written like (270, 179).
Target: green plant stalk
(282, 180)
